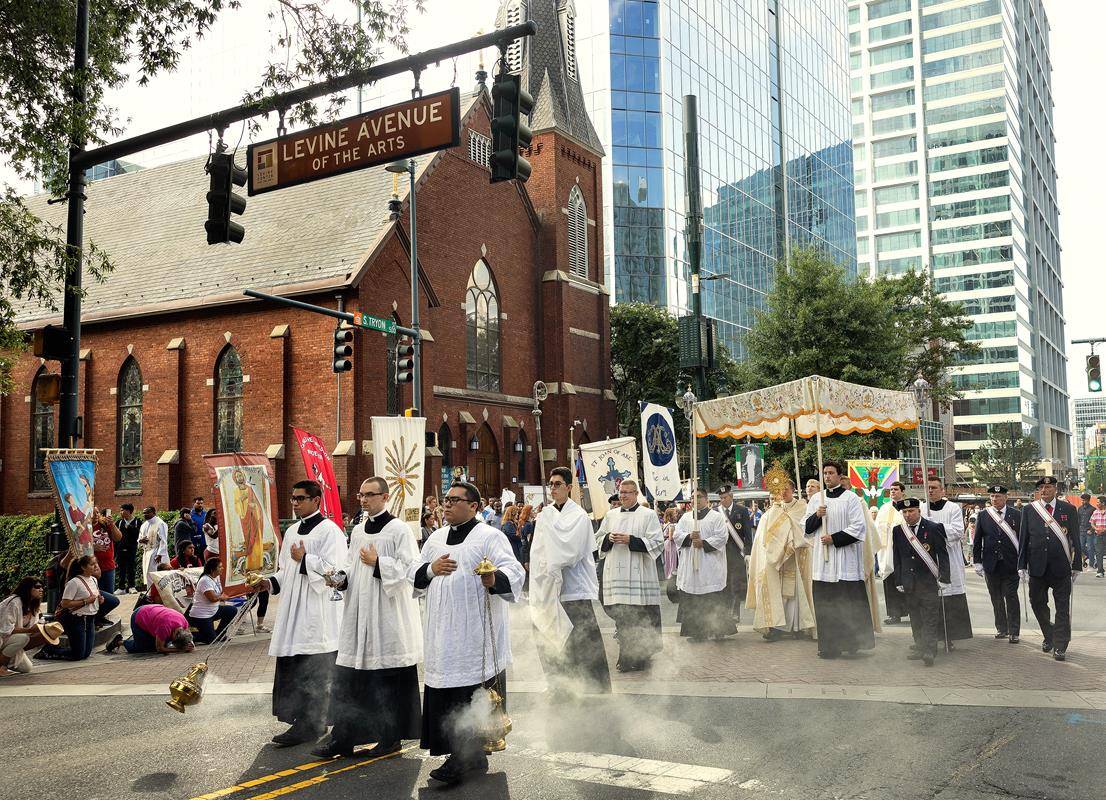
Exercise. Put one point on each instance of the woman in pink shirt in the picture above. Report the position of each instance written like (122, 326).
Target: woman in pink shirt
(155, 629)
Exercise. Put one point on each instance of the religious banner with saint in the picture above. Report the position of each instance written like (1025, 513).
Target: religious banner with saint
(73, 479)
(659, 466)
(606, 465)
(871, 479)
(319, 468)
(399, 456)
(249, 524)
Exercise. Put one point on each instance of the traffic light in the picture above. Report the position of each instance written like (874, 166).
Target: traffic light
(1094, 374)
(343, 350)
(52, 343)
(222, 201)
(405, 361)
(511, 106)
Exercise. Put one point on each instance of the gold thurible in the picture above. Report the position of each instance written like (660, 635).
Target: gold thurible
(188, 690)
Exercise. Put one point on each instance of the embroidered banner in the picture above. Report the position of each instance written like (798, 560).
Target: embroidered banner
(319, 468)
(249, 520)
(660, 467)
(606, 465)
(73, 479)
(399, 456)
(871, 480)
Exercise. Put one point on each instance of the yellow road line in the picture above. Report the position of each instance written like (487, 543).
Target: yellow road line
(284, 773)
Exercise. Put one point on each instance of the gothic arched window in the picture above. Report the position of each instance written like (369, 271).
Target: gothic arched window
(228, 402)
(482, 328)
(42, 435)
(128, 401)
(577, 233)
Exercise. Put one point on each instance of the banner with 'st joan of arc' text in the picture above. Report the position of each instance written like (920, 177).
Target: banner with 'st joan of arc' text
(606, 465)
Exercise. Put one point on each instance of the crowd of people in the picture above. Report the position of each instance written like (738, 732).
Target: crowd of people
(350, 630)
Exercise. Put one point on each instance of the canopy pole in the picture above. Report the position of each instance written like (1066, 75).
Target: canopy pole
(922, 457)
(795, 451)
(818, 438)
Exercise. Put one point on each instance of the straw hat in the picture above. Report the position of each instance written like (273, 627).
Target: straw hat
(51, 631)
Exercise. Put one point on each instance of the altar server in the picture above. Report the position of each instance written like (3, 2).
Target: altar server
(376, 686)
(705, 605)
(888, 516)
(957, 620)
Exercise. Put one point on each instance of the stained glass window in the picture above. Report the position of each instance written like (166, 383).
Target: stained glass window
(129, 426)
(228, 402)
(482, 328)
(42, 436)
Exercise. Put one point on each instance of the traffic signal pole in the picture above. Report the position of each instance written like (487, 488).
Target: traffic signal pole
(80, 159)
(695, 251)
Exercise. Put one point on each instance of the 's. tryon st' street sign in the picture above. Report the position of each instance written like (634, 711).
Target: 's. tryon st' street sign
(374, 323)
(420, 125)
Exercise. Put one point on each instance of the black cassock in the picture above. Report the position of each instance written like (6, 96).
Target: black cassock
(441, 732)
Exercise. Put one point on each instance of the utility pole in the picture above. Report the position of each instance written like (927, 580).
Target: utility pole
(694, 232)
(69, 424)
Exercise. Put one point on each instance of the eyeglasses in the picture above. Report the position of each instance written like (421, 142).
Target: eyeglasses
(449, 500)
(296, 498)
(555, 484)
(367, 495)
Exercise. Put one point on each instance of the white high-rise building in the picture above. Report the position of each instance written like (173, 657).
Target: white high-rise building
(953, 149)
(1087, 413)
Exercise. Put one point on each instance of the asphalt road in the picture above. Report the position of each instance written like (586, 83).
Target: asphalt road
(134, 747)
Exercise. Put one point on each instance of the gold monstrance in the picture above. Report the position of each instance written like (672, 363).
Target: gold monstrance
(775, 479)
(498, 724)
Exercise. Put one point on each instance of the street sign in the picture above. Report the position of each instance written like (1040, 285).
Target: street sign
(374, 323)
(417, 126)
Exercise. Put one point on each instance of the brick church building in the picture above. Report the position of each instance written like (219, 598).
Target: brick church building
(177, 363)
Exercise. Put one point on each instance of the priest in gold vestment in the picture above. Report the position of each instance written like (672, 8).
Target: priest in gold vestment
(779, 593)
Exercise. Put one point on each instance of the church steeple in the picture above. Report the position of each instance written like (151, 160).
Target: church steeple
(547, 64)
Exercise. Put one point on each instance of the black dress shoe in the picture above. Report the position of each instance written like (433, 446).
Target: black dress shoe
(1060, 655)
(1014, 639)
(381, 749)
(893, 621)
(450, 773)
(331, 748)
(1046, 647)
(297, 734)
(829, 654)
(928, 659)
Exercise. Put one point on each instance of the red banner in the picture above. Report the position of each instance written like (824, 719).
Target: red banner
(317, 464)
(248, 520)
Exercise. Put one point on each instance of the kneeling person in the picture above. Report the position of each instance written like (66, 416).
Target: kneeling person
(156, 629)
(921, 571)
(376, 682)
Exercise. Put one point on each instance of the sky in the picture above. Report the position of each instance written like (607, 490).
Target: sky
(217, 70)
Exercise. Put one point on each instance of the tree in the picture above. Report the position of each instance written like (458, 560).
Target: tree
(1007, 460)
(1096, 471)
(884, 333)
(645, 358)
(311, 40)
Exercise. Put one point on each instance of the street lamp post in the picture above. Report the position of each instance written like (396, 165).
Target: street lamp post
(398, 168)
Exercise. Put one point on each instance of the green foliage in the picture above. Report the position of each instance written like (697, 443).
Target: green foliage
(1010, 461)
(1096, 471)
(883, 333)
(310, 40)
(22, 549)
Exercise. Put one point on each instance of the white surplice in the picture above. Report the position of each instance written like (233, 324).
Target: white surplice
(156, 549)
(952, 517)
(381, 628)
(702, 571)
(630, 576)
(454, 623)
(845, 513)
(308, 621)
(886, 520)
(561, 569)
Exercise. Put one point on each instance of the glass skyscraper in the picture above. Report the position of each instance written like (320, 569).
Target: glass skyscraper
(771, 78)
(955, 173)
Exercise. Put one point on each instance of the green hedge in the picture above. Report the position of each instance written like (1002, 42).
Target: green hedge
(23, 547)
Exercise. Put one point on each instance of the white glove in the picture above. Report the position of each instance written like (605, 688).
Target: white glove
(1074, 575)
(1024, 574)
(944, 587)
(978, 569)
(901, 589)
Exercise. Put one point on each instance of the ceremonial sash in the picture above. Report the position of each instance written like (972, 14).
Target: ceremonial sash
(1054, 526)
(734, 534)
(1004, 525)
(919, 548)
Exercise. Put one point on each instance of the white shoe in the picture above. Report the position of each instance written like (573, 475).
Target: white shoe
(22, 664)
(120, 592)
(261, 628)
(132, 590)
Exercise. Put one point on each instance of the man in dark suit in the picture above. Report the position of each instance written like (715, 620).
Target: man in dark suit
(737, 575)
(1050, 554)
(921, 570)
(995, 557)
